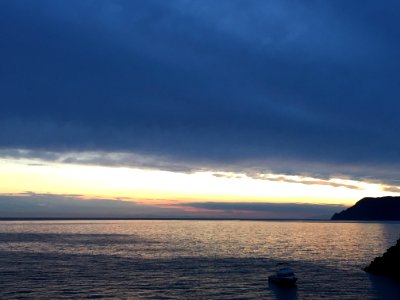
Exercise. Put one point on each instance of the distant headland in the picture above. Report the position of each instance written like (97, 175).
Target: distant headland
(372, 209)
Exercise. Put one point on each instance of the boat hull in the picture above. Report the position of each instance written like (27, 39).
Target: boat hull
(282, 280)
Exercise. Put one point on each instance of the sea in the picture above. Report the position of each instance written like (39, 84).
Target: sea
(192, 259)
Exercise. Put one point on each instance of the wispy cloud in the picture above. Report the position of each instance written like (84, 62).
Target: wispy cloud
(270, 210)
(307, 181)
(393, 189)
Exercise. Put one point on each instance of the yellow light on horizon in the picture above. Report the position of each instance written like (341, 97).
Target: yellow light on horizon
(18, 176)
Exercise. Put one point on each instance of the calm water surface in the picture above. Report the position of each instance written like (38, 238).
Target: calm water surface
(191, 259)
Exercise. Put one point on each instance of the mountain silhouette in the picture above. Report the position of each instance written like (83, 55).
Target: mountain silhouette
(372, 209)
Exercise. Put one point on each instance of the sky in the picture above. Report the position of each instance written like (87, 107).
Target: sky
(211, 109)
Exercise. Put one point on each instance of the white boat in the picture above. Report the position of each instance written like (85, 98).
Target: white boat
(284, 276)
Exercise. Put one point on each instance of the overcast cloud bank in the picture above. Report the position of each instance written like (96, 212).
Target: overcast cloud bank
(305, 88)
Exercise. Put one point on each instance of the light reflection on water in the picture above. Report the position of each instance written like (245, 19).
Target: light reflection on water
(198, 259)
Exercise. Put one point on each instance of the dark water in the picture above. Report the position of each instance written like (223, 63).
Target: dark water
(191, 259)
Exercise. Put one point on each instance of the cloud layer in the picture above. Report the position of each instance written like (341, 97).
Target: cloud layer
(305, 88)
(34, 205)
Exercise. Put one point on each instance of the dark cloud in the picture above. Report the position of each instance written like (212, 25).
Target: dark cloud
(305, 88)
(34, 205)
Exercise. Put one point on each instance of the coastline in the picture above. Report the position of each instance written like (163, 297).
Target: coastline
(200, 219)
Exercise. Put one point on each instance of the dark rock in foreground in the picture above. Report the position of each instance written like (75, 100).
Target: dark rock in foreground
(372, 209)
(388, 264)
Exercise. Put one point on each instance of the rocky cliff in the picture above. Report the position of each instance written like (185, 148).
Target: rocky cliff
(388, 264)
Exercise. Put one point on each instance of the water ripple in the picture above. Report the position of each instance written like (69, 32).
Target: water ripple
(188, 259)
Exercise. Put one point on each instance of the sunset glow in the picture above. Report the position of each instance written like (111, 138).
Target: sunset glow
(155, 186)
